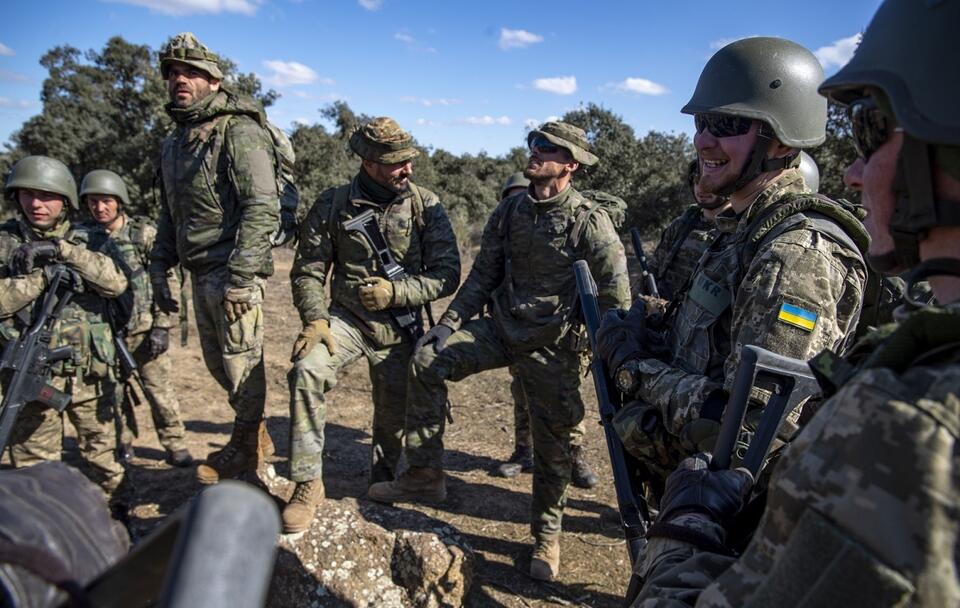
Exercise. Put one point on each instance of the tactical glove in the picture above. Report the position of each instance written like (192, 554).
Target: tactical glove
(32, 255)
(376, 293)
(694, 488)
(437, 336)
(237, 301)
(618, 338)
(159, 341)
(313, 332)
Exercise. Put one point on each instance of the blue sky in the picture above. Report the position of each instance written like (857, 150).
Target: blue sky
(462, 76)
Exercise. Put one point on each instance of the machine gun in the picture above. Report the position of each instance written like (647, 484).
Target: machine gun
(26, 361)
(628, 473)
(366, 224)
(649, 282)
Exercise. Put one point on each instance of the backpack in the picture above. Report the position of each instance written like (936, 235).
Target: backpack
(593, 200)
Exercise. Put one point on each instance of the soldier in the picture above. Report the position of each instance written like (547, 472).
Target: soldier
(358, 319)
(862, 509)
(687, 237)
(41, 188)
(147, 333)
(221, 207)
(522, 458)
(784, 273)
(525, 268)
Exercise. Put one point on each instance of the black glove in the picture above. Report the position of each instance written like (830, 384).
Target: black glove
(618, 338)
(159, 341)
(437, 336)
(694, 488)
(32, 255)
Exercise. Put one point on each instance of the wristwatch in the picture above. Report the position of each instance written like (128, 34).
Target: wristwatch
(627, 376)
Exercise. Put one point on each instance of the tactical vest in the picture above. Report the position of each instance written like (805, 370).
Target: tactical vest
(83, 323)
(134, 241)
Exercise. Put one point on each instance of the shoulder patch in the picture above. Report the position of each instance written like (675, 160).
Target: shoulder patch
(798, 317)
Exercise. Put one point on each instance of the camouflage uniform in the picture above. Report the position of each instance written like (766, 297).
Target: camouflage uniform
(88, 377)
(680, 247)
(422, 240)
(734, 299)
(135, 240)
(525, 266)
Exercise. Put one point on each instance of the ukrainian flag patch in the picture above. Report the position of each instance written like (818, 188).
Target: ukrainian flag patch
(798, 317)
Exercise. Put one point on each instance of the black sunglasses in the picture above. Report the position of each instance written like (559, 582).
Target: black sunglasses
(542, 144)
(869, 126)
(722, 125)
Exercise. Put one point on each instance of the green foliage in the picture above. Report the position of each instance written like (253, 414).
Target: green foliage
(836, 154)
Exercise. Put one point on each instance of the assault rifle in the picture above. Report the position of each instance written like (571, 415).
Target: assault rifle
(649, 282)
(26, 360)
(791, 382)
(366, 224)
(118, 316)
(628, 473)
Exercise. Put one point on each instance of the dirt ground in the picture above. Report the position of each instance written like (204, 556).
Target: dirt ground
(491, 512)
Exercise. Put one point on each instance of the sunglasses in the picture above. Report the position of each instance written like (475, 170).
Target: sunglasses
(543, 145)
(722, 125)
(869, 126)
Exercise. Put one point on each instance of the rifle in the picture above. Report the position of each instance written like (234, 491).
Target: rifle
(791, 380)
(649, 282)
(627, 471)
(118, 316)
(26, 361)
(366, 224)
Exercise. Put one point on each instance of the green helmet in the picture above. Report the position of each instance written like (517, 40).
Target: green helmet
(517, 180)
(185, 48)
(916, 88)
(42, 173)
(810, 172)
(102, 181)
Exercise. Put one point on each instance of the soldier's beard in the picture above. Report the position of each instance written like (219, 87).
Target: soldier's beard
(543, 173)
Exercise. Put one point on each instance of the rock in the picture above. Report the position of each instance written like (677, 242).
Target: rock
(350, 556)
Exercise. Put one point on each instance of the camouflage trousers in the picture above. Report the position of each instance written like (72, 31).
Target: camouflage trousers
(551, 379)
(522, 435)
(157, 380)
(314, 375)
(38, 433)
(233, 352)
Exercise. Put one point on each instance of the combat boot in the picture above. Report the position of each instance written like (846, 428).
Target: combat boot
(545, 562)
(580, 473)
(520, 461)
(417, 484)
(298, 513)
(179, 458)
(238, 456)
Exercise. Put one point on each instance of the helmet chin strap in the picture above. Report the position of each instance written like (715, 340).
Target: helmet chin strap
(758, 162)
(934, 267)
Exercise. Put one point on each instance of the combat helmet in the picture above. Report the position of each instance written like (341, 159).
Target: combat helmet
(42, 173)
(102, 181)
(772, 80)
(185, 48)
(516, 180)
(810, 172)
(914, 90)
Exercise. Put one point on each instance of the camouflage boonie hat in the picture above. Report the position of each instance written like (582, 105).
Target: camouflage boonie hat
(383, 141)
(566, 136)
(185, 48)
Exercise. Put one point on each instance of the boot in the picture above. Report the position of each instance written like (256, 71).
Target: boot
(520, 461)
(417, 484)
(265, 446)
(238, 456)
(179, 458)
(581, 475)
(545, 562)
(298, 513)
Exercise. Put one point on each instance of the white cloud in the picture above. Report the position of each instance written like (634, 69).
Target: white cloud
(371, 5)
(6, 51)
(838, 53)
(190, 7)
(533, 123)
(286, 73)
(487, 121)
(405, 38)
(6, 102)
(8, 76)
(442, 101)
(423, 122)
(560, 85)
(517, 39)
(641, 86)
(302, 120)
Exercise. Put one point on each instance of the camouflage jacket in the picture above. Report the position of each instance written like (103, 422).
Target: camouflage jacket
(680, 247)
(525, 266)
(135, 240)
(863, 507)
(83, 323)
(799, 293)
(422, 241)
(220, 190)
